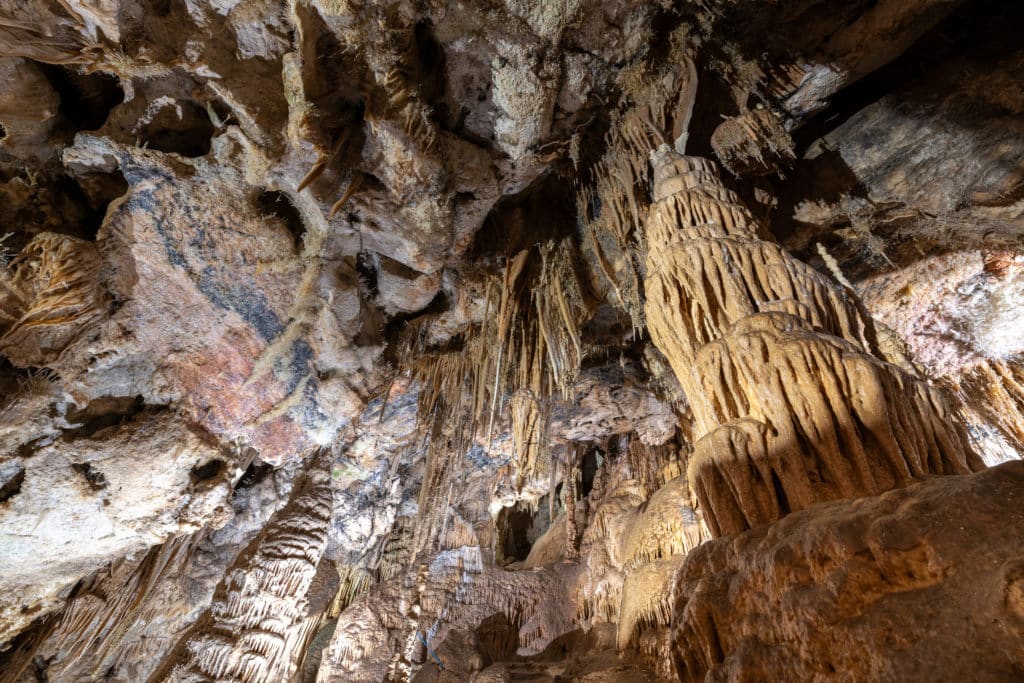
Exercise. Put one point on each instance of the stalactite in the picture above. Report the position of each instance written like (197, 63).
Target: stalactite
(460, 534)
(570, 491)
(532, 348)
(653, 466)
(560, 311)
(48, 294)
(528, 431)
(396, 550)
(614, 203)
(432, 504)
(549, 352)
(752, 142)
(552, 485)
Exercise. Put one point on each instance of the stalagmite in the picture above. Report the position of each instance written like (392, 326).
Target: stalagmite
(665, 525)
(790, 407)
(647, 598)
(256, 628)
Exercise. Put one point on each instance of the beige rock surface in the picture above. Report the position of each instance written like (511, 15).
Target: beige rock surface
(902, 586)
(91, 496)
(341, 337)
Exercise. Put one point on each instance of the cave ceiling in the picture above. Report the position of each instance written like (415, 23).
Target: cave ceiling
(497, 340)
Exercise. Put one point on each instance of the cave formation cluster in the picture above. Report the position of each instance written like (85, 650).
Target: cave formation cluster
(497, 340)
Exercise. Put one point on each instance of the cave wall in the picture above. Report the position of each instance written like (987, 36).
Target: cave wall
(381, 317)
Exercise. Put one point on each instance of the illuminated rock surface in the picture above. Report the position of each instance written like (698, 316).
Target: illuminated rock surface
(352, 340)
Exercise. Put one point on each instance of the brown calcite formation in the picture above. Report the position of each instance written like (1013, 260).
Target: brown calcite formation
(647, 595)
(922, 583)
(48, 295)
(707, 269)
(843, 424)
(789, 406)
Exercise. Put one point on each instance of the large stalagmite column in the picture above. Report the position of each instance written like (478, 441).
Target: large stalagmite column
(790, 406)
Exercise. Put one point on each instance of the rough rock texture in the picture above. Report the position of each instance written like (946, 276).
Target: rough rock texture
(119, 490)
(259, 316)
(362, 339)
(845, 589)
(139, 607)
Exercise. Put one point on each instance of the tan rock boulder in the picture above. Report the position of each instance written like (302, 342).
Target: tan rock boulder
(909, 585)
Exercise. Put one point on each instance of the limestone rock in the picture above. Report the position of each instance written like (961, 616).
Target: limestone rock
(119, 490)
(28, 107)
(139, 607)
(253, 299)
(900, 586)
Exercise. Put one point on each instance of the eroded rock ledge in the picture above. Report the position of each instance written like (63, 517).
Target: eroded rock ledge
(908, 585)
